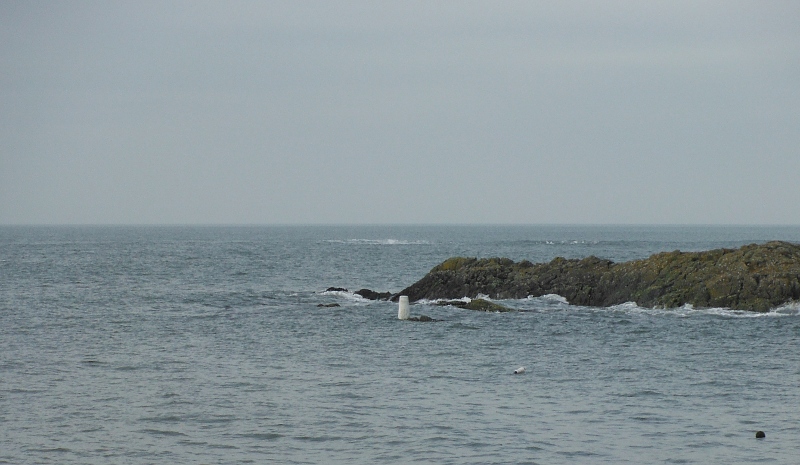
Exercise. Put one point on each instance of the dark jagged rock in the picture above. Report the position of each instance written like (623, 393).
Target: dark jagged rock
(753, 277)
(336, 289)
(481, 305)
(484, 305)
(372, 295)
(328, 305)
(365, 293)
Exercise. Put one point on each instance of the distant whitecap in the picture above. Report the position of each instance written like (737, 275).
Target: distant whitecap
(378, 242)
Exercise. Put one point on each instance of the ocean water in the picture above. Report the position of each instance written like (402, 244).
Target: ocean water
(206, 345)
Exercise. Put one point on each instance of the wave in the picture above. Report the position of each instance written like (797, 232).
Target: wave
(377, 242)
(546, 303)
(688, 310)
(348, 295)
(537, 242)
(552, 298)
(551, 302)
(466, 300)
(572, 242)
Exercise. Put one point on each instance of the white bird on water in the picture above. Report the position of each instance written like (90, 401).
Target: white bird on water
(519, 371)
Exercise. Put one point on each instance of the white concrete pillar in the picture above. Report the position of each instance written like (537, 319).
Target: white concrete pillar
(402, 311)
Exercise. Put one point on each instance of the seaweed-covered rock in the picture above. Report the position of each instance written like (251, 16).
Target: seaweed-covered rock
(753, 277)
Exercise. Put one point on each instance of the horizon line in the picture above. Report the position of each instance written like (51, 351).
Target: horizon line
(420, 224)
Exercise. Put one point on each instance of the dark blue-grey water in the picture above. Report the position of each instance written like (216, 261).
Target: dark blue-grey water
(205, 345)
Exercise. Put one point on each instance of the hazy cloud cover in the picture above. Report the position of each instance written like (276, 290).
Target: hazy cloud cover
(404, 112)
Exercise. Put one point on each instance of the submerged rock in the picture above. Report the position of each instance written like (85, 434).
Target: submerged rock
(422, 318)
(754, 277)
(481, 305)
(328, 305)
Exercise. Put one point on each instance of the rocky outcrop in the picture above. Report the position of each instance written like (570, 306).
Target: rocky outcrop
(373, 295)
(754, 277)
(365, 293)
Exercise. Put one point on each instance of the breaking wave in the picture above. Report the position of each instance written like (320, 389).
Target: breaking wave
(688, 310)
(466, 300)
(551, 302)
(347, 295)
(555, 298)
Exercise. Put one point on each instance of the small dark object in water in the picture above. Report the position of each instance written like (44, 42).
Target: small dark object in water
(328, 305)
(482, 305)
(760, 435)
(422, 318)
(335, 289)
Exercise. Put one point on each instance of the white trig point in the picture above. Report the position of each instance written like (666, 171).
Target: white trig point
(402, 310)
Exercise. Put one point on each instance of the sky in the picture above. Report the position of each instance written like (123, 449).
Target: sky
(412, 112)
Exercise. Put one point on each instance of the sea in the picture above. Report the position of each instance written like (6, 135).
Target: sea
(222, 345)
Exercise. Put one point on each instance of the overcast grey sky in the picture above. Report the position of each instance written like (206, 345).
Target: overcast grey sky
(409, 112)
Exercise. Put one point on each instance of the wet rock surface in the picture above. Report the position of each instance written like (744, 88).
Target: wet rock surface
(373, 295)
(481, 305)
(755, 277)
(365, 293)
(336, 289)
(422, 318)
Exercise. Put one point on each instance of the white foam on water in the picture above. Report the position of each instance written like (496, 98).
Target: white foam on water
(627, 306)
(549, 297)
(788, 309)
(571, 242)
(349, 295)
(685, 311)
(466, 300)
(688, 310)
